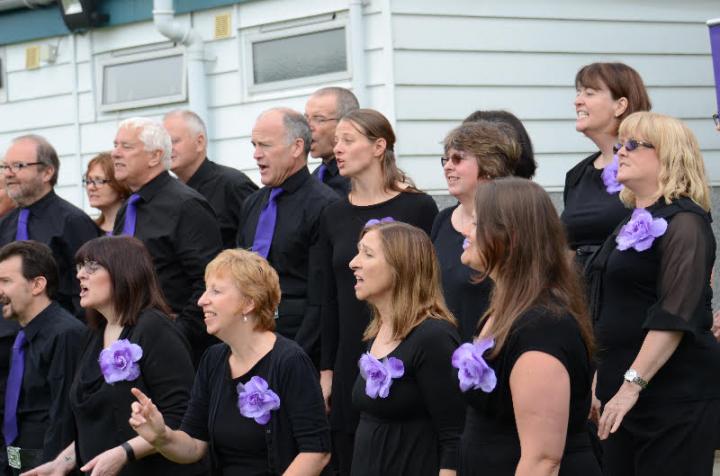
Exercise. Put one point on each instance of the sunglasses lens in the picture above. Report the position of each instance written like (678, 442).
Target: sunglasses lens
(631, 145)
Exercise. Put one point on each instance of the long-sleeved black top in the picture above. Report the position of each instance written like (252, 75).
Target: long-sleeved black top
(294, 252)
(64, 228)
(225, 188)
(181, 232)
(54, 338)
(333, 179)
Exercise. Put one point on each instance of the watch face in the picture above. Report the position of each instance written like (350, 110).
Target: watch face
(630, 375)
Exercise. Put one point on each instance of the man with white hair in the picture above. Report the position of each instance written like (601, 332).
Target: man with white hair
(225, 188)
(177, 225)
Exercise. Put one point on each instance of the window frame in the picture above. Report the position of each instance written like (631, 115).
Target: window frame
(3, 75)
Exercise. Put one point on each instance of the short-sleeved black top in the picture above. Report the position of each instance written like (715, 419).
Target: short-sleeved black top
(666, 287)
(467, 301)
(416, 428)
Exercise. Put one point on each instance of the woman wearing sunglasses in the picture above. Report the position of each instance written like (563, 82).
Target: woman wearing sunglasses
(606, 94)
(104, 192)
(475, 152)
(658, 361)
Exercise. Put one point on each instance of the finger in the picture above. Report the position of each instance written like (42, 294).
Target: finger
(602, 424)
(618, 421)
(141, 397)
(89, 465)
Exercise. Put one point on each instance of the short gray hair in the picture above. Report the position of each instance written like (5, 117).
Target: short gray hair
(296, 127)
(345, 100)
(192, 121)
(44, 153)
(153, 136)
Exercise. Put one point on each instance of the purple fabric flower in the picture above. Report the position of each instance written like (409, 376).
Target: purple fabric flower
(119, 361)
(640, 232)
(466, 244)
(473, 371)
(256, 400)
(376, 221)
(379, 375)
(609, 176)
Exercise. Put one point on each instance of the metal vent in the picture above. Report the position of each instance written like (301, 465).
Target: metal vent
(222, 26)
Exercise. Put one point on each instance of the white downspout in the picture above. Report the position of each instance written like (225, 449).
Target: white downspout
(357, 52)
(163, 17)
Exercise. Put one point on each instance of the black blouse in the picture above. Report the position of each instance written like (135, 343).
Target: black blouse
(666, 287)
(416, 428)
(102, 410)
(467, 301)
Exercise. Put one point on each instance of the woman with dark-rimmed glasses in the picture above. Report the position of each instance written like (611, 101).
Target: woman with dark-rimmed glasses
(104, 191)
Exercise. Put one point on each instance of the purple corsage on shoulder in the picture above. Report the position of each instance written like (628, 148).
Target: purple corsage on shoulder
(473, 371)
(377, 221)
(609, 176)
(379, 375)
(640, 232)
(256, 400)
(120, 361)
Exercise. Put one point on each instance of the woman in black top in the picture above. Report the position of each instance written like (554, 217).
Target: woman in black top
(475, 152)
(527, 411)
(134, 344)
(654, 317)
(606, 94)
(411, 410)
(256, 403)
(379, 190)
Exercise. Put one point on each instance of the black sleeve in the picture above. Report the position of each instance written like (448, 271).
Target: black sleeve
(439, 387)
(437, 222)
(687, 253)
(195, 421)
(551, 335)
(235, 194)
(240, 242)
(329, 307)
(428, 212)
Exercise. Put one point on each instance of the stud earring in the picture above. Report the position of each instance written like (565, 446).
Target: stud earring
(244, 318)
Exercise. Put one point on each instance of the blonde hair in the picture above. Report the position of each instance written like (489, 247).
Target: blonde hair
(416, 293)
(253, 276)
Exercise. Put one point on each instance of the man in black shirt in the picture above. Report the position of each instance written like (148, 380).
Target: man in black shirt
(176, 223)
(30, 171)
(225, 188)
(281, 138)
(42, 369)
(323, 111)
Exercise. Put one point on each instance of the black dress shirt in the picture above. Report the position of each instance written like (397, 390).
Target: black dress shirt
(293, 252)
(54, 338)
(333, 179)
(225, 188)
(180, 230)
(64, 228)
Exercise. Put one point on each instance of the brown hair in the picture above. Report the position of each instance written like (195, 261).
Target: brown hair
(621, 80)
(254, 278)
(527, 272)
(135, 286)
(494, 146)
(104, 161)
(374, 126)
(417, 293)
(37, 260)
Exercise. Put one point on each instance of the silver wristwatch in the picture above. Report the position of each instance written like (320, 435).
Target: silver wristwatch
(632, 376)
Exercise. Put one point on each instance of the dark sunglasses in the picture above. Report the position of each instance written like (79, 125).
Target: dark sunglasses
(455, 159)
(631, 144)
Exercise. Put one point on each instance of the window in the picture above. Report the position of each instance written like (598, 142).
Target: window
(282, 56)
(142, 79)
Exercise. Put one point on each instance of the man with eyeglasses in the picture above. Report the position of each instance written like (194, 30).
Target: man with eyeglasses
(30, 171)
(225, 188)
(323, 110)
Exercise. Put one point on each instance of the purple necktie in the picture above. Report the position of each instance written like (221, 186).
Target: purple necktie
(266, 225)
(12, 391)
(130, 215)
(22, 231)
(321, 172)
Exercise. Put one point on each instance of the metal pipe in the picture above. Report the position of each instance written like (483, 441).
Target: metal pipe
(357, 51)
(13, 4)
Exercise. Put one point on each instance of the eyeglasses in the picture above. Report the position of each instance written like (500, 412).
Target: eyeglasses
(320, 120)
(455, 159)
(90, 266)
(95, 182)
(631, 144)
(18, 166)
(716, 119)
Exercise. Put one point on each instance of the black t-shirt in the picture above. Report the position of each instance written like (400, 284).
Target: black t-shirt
(467, 301)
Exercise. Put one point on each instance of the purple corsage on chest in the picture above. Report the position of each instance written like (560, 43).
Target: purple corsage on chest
(640, 232)
(609, 176)
(256, 400)
(379, 374)
(120, 361)
(473, 371)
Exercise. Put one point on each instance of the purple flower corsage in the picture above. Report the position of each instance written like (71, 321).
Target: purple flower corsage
(640, 232)
(120, 361)
(473, 371)
(379, 375)
(376, 221)
(256, 400)
(609, 176)
(466, 244)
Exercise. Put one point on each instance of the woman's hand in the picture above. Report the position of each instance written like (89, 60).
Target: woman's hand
(595, 406)
(146, 419)
(616, 409)
(51, 468)
(107, 463)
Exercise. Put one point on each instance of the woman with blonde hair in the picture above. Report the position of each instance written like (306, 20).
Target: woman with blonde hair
(658, 360)
(410, 408)
(527, 376)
